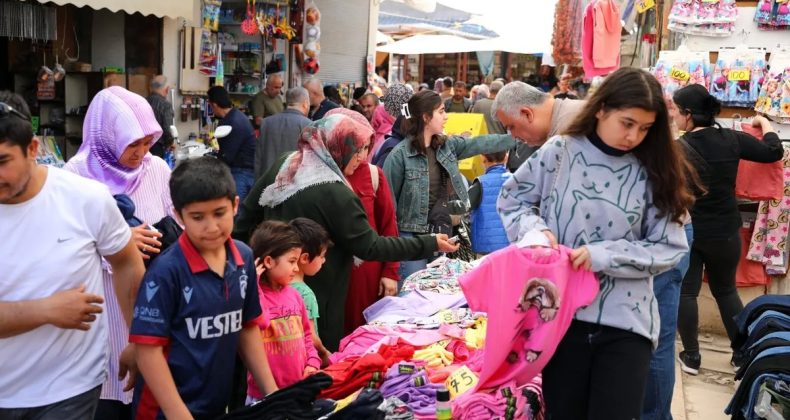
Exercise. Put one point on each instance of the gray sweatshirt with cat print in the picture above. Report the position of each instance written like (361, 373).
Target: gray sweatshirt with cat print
(586, 197)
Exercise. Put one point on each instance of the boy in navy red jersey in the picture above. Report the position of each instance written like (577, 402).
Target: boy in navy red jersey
(198, 305)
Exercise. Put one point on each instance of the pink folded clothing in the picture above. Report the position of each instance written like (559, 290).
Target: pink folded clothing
(369, 338)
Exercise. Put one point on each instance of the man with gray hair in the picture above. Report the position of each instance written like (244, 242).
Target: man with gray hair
(280, 132)
(531, 116)
(483, 106)
(319, 104)
(163, 112)
(267, 102)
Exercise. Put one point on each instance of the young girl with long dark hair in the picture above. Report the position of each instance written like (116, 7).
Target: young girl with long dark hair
(612, 188)
(423, 169)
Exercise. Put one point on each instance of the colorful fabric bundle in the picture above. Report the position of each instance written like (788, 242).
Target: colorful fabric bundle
(737, 76)
(768, 243)
(774, 98)
(441, 278)
(677, 69)
(772, 14)
(702, 17)
(567, 36)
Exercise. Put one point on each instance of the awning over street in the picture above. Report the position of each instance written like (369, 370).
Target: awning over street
(159, 8)
(441, 44)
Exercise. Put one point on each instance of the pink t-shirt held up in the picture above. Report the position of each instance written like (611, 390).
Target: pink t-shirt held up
(531, 296)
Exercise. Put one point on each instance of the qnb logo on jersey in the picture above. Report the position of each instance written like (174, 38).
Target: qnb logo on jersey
(214, 326)
(243, 283)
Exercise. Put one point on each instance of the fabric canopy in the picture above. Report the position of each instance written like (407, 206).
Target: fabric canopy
(440, 44)
(159, 8)
(428, 44)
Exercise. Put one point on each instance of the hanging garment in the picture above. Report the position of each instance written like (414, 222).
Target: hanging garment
(769, 240)
(749, 273)
(601, 38)
(690, 67)
(737, 76)
(531, 296)
(759, 181)
(567, 35)
(774, 97)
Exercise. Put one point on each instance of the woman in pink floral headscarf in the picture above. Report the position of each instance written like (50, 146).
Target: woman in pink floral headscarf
(119, 129)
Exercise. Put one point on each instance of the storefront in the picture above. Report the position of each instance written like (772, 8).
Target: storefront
(127, 43)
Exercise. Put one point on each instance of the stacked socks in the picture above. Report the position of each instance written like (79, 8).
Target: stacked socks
(411, 385)
(434, 356)
(533, 408)
(295, 402)
(395, 409)
(354, 373)
(365, 406)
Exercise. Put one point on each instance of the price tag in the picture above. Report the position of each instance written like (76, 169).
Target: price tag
(738, 75)
(644, 5)
(679, 74)
(447, 316)
(440, 344)
(460, 381)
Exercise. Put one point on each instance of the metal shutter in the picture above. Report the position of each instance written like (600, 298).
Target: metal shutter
(344, 40)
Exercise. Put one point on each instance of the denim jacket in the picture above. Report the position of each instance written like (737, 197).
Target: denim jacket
(407, 172)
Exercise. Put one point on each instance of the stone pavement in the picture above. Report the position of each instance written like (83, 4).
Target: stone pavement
(705, 396)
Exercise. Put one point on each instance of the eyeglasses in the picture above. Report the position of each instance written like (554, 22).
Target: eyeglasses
(6, 110)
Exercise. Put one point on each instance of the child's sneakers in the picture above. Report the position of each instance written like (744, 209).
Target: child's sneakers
(690, 362)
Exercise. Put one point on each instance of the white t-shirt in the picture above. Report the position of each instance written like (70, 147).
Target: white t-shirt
(50, 243)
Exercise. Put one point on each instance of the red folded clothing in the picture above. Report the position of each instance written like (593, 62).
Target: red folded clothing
(368, 370)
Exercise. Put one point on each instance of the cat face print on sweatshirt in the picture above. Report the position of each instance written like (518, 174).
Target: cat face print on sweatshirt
(599, 189)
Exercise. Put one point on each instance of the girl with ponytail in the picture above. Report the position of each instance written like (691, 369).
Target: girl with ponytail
(715, 153)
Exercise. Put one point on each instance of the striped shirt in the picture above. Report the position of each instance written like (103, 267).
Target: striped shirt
(152, 203)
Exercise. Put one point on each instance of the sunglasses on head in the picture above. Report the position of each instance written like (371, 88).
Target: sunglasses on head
(6, 110)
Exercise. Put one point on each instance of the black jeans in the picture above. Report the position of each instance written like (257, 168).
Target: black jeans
(78, 407)
(598, 372)
(719, 258)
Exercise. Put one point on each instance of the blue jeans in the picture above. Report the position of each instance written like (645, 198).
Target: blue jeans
(407, 268)
(245, 179)
(661, 378)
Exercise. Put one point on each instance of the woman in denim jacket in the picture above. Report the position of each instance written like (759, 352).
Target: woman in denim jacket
(419, 167)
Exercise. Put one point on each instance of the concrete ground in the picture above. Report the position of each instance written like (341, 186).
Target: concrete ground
(705, 396)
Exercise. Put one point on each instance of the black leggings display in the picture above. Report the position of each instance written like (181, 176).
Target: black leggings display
(597, 372)
(719, 259)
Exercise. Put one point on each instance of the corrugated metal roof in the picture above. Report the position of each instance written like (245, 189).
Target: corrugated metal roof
(393, 16)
